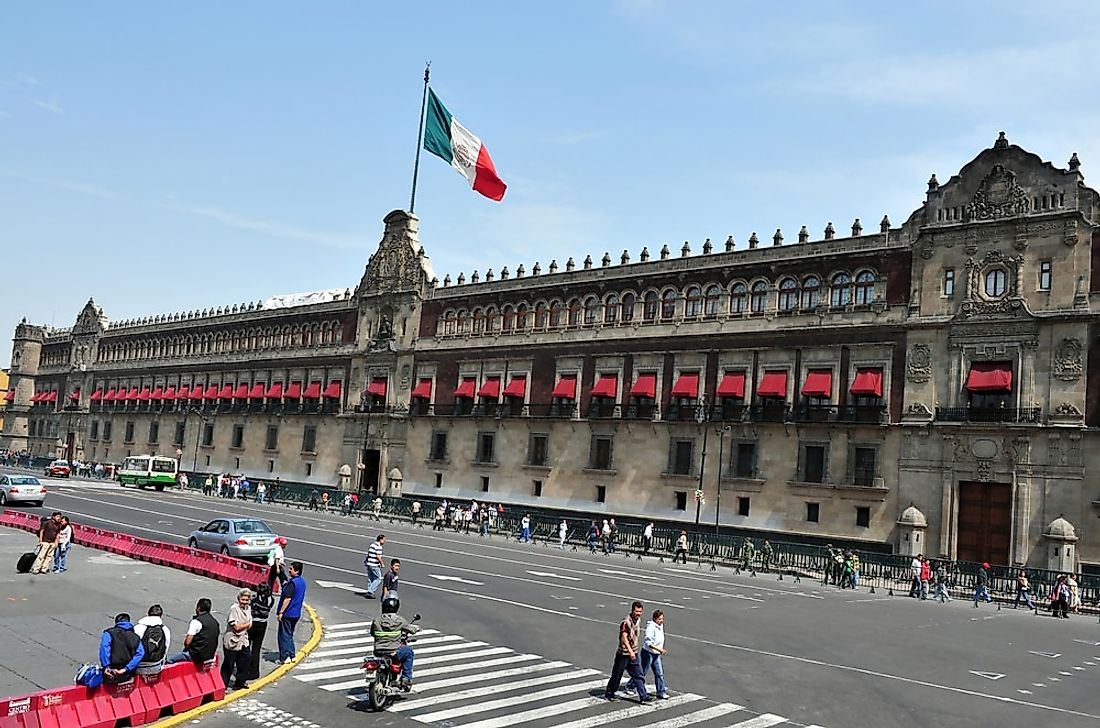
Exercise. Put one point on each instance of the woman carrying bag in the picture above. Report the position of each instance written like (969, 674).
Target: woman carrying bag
(262, 604)
(236, 656)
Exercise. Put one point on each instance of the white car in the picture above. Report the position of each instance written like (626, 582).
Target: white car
(21, 489)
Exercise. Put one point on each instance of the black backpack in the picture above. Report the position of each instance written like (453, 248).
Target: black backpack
(155, 645)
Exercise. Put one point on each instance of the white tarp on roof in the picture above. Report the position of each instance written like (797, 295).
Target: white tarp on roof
(289, 300)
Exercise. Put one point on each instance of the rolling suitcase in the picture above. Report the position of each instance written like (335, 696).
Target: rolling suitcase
(26, 561)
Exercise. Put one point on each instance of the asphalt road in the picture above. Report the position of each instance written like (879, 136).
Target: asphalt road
(745, 651)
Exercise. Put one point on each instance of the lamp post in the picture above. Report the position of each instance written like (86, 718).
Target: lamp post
(198, 434)
(718, 479)
(701, 418)
(366, 404)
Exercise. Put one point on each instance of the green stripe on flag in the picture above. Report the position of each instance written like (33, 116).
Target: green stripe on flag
(437, 129)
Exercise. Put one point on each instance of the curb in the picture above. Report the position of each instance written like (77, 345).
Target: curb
(263, 682)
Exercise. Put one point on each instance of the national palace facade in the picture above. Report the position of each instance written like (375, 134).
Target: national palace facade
(932, 386)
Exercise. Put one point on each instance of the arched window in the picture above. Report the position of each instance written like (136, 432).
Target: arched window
(711, 300)
(574, 312)
(810, 289)
(649, 306)
(693, 305)
(540, 316)
(840, 290)
(521, 317)
(491, 321)
(611, 309)
(995, 282)
(668, 304)
(737, 298)
(463, 321)
(449, 323)
(507, 319)
(865, 287)
(555, 313)
(591, 310)
(629, 302)
(479, 321)
(788, 294)
(759, 297)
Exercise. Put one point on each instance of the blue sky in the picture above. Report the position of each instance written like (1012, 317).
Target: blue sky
(164, 157)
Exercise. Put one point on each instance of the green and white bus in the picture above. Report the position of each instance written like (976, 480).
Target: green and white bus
(146, 470)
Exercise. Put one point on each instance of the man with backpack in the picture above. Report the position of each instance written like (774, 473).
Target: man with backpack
(120, 650)
(155, 637)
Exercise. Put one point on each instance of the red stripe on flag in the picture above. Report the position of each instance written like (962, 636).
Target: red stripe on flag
(486, 181)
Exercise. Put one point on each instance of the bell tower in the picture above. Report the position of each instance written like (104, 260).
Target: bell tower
(26, 357)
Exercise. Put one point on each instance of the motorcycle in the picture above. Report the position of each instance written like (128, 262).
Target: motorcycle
(383, 676)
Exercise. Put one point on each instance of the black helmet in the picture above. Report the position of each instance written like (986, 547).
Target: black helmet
(390, 604)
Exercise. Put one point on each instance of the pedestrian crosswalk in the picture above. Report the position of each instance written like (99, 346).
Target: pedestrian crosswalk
(472, 684)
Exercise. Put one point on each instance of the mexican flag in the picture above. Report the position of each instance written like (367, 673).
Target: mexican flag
(449, 140)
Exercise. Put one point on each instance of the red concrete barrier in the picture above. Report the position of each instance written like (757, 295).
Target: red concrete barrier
(177, 689)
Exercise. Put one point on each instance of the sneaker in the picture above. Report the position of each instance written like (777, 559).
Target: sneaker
(647, 700)
(610, 696)
(288, 661)
(662, 696)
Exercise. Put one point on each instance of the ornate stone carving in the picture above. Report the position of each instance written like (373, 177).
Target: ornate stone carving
(90, 321)
(917, 410)
(1013, 306)
(1067, 410)
(998, 195)
(399, 264)
(960, 452)
(984, 470)
(383, 338)
(1067, 360)
(918, 364)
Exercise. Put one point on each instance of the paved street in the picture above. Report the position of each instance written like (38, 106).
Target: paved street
(524, 635)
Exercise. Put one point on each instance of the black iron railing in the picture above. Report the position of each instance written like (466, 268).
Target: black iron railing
(1031, 415)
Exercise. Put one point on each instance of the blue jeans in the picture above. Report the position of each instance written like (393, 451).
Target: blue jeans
(982, 592)
(1026, 596)
(651, 658)
(526, 535)
(182, 656)
(404, 655)
(374, 578)
(286, 637)
(61, 557)
(633, 668)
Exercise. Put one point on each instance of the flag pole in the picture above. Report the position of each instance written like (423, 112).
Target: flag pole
(420, 137)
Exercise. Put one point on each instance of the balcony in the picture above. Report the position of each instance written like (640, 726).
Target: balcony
(1024, 415)
(768, 413)
(727, 412)
(640, 411)
(604, 411)
(685, 413)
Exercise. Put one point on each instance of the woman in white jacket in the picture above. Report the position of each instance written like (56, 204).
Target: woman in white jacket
(653, 649)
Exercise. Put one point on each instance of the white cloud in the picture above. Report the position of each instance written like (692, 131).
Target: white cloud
(269, 227)
(26, 79)
(53, 106)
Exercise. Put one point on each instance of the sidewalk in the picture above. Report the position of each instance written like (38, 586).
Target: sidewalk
(51, 623)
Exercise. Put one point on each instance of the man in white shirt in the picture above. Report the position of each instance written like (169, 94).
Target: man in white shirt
(653, 649)
(156, 646)
(275, 561)
(563, 529)
(647, 538)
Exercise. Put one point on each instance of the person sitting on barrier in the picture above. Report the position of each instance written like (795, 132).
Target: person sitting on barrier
(155, 638)
(120, 650)
(201, 643)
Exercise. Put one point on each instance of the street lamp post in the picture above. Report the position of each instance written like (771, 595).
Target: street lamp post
(718, 479)
(701, 418)
(367, 404)
(198, 434)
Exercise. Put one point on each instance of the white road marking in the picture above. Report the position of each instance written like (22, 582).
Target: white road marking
(987, 675)
(616, 572)
(346, 625)
(419, 702)
(552, 575)
(365, 640)
(1051, 655)
(448, 670)
(321, 664)
(487, 676)
(535, 714)
(631, 712)
(339, 585)
(488, 705)
(761, 721)
(459, 579)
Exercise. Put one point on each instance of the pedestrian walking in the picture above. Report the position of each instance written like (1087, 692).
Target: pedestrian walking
(914, 574)
(647, 538)
(262, 604)
(605, 535)
(593, 536)
(925, 577)
(377, 508)
(1059, 598)
(290, 611)
(415, 511)
(525, 528)
(627, 658)
(64, 544)
(768, 553)
(941, 584)
(563, 530)
(1023, 591)
(392, 578)
(261, 491)
(324, 501)
(982, 590)
(48, 533)
(440, 516)
(1071, 584)
(653, 650)
(681, 548)
(375, 564)
(612, 535)
(236, 655)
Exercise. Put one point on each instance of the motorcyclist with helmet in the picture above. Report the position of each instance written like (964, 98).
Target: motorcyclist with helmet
(389, 632)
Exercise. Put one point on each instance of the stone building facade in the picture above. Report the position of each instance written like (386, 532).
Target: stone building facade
(927, 387)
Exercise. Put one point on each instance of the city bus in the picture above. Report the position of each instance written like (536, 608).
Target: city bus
(146, 470)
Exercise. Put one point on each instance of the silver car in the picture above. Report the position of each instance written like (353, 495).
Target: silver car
(21, 489)
(245, 538)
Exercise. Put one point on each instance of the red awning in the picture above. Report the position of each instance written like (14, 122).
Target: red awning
(10, 396)
(990, 376)
(868, 382)
(467, 388)
(133, 394)
(313, 391)
(211, 393)
(145, 394)
(517, 387)
(732, 385)
(74, 396)
(566, 387)
(774, 384)
(275, 391)
(645, 386)
(226, 392)
(257, 391)
(169, 394)
(490, 388)
(687, 385)
(96, 395)
(606, 386)
(332, 390)
(819, 383)
(110, 396)
(377, 387)
(37, 397)
(50, 396)
(294, 390)
(241, 391)
(158, 394)
(423, 389)
(196, 392)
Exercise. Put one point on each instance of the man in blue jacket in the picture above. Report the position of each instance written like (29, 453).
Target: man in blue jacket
(120, 650)
(290, 611)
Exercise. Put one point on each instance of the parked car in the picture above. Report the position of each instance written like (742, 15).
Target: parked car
(59, 469)
(21, 489)
(245, 538)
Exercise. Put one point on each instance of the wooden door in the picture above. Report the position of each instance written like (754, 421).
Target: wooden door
(985, 522)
